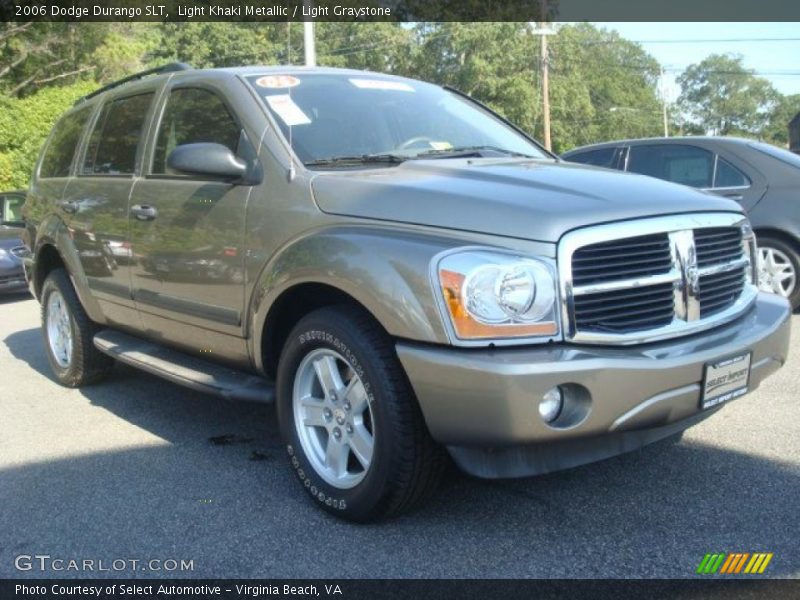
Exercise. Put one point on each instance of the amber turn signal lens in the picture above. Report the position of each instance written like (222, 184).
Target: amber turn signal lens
(467, 327)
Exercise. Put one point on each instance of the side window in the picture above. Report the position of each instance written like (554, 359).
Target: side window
(57, 159)
(684, 164)
(114, 142)
(12, 211)
(193, 116)
(603, 157)
(729, 176)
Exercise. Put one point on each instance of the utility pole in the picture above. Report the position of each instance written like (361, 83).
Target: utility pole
(664, 103)
(308, 40)
(543, 30)
(545, 92)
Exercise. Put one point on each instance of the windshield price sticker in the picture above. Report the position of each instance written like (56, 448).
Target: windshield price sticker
(291, 114)
(381, 84)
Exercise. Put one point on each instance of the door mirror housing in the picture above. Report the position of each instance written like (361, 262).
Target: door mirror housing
(207, 159)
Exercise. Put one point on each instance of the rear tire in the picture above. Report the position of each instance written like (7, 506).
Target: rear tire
(68, 334)
(779, 269)
(361, 449)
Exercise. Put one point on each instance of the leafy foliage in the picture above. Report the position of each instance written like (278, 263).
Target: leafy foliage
(725, 98)
(602, 86)
(24, 126)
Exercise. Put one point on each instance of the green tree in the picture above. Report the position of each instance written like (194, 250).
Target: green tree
(777, 130)
(494, 62)
(24, 125)
(724, 98)
(223, 44)
(381, 47)
(603, 87)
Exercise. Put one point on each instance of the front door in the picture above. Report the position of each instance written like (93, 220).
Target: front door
(187, 232)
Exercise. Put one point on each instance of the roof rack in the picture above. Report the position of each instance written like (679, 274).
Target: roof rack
(168, 68)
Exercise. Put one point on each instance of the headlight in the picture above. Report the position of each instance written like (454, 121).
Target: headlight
(3, 253)
(494, 295)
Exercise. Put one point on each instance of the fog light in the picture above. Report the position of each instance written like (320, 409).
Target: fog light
(551, 404)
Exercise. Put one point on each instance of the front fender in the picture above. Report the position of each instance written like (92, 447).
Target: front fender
(52, 231)
(385, 270)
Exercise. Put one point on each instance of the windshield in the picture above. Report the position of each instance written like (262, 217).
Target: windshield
(363, 115)
(782, 155)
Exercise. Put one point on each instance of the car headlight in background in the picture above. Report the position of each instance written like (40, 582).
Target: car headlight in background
(493, 295)
(3, 253)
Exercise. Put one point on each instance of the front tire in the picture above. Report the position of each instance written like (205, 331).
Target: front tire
(355, 435)
(68, 334)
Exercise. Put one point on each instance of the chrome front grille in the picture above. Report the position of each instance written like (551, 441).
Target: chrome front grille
(717, 245)
(656, 278)
(617, 259)
(719, 291)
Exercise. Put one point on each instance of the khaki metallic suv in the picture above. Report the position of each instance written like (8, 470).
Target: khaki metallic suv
(404, 273)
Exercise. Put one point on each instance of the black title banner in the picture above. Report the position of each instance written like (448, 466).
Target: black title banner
(400, 10)
(348, 589)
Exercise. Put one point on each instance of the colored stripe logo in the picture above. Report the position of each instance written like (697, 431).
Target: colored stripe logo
(734, 563)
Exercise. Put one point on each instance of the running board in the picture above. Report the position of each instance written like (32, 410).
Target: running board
(184, 369)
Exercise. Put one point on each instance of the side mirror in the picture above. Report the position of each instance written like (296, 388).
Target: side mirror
(212, 160)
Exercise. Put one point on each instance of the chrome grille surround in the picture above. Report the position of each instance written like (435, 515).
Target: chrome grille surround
(684, 273)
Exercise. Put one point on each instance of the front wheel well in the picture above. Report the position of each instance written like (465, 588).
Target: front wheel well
(47, 259)
(289, 308)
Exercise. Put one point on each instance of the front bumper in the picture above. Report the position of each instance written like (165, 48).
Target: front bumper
(483, 404)
(12, 278)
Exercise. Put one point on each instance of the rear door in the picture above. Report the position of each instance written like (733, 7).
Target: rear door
(188, 231)
(97, 199)
(699, 167)
(737, 180)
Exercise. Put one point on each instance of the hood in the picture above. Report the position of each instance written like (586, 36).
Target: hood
(535, 200)
(10, 237)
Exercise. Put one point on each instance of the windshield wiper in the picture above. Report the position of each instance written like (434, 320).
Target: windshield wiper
(463, 151)
(361, 159)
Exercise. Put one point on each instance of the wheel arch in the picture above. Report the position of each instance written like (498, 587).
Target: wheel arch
(780, 234)
(54, 248)
(291, 306)
(383, 272)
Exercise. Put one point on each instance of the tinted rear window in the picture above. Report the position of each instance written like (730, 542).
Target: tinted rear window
(114, 143)
(602, 157)
(687, 165)
(58, 157)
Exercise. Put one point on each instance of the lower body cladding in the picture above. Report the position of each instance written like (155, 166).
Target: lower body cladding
(514, 412)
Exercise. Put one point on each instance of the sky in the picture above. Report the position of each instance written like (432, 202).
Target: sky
(678, 45)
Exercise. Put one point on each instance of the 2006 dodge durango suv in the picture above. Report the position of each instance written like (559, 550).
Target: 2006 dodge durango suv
(403, 272)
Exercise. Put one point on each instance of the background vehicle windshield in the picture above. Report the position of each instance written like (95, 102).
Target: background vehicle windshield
(327, 116)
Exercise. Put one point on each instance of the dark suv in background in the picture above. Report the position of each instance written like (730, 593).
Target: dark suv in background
(763, 178)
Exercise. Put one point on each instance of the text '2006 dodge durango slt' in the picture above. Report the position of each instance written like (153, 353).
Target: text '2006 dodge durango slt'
(403, 272)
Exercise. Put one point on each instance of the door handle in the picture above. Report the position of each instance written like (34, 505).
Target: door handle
(143, 212)
(68, 206)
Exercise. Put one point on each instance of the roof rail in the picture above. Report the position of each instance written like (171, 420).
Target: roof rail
(168, 68)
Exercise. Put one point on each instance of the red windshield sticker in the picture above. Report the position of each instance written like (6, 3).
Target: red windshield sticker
(277, 81)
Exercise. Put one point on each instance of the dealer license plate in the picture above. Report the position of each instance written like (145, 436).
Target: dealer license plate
(725, 380)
